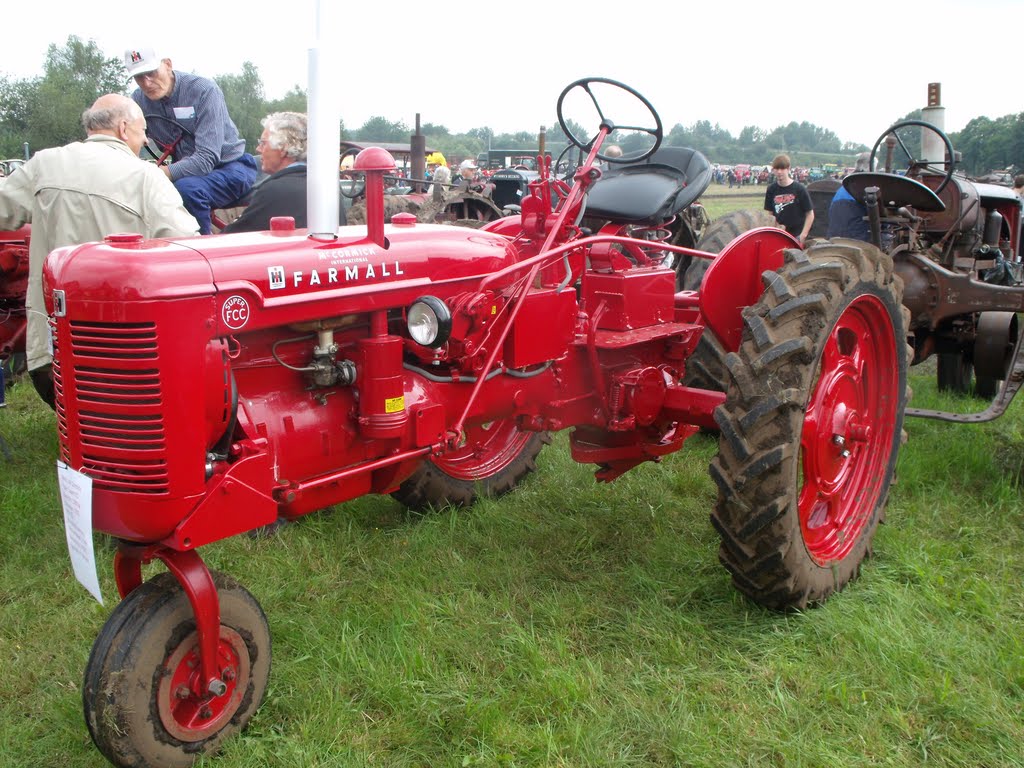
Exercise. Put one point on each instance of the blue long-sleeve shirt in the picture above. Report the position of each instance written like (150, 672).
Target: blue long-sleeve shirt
(197, 104)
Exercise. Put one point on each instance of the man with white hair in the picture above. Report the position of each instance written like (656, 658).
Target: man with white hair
(282, 149)
(81, 193)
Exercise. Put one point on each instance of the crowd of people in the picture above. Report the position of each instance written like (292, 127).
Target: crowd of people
(743, 175)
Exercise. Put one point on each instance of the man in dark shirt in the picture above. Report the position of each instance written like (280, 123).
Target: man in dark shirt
(788, 201)
(282, 151)
(210, 167)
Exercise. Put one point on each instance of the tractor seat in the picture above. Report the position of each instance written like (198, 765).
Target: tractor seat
(653, 190)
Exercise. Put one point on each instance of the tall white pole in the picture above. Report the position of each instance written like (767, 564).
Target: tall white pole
(324, 98)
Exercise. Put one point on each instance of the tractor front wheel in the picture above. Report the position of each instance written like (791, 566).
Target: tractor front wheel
(139, 695)
(493, 460)
(811, 425)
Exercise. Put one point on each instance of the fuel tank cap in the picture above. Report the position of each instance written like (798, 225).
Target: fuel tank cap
(124, 238)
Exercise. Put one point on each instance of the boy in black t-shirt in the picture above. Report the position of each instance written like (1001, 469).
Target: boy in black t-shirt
(788, 201)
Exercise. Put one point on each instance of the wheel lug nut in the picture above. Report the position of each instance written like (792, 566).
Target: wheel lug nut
(206, 713)
(182, 692)
(860, 432)
(228, 675)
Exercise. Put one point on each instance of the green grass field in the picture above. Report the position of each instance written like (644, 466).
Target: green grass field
(572, 624)
(719, 199)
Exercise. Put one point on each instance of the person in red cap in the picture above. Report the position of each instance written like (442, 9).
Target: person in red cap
(210, 166)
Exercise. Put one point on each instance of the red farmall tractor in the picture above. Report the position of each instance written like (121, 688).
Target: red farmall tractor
(211, 386)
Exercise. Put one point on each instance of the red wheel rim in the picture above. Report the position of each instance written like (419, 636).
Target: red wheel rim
(848, 431)
(489, 448)
(188, 716)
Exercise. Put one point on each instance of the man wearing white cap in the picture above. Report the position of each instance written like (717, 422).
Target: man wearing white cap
(210, 166)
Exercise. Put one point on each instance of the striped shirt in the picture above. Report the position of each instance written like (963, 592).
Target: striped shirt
(197, 104)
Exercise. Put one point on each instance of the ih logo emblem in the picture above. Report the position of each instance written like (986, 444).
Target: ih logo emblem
(276, 277)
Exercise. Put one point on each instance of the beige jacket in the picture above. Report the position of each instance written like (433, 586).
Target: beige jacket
(81, 193)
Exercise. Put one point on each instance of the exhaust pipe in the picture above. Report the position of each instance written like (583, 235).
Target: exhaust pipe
(323, 193)
(933, 150)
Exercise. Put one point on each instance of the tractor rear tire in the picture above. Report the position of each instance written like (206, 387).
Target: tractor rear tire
(811, 425)
(495, 459)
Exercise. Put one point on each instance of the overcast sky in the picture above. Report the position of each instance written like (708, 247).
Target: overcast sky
(466, 65)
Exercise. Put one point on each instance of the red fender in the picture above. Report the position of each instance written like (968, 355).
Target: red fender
(733, 281)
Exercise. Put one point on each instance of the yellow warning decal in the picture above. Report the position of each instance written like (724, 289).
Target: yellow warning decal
(394, 404)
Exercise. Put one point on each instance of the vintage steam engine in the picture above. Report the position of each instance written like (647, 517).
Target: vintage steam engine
(209, 386)
(956, 244)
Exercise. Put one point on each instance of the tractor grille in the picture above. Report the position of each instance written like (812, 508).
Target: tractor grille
(120, 420)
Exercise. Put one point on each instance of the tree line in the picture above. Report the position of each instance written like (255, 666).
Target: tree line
(45, 111)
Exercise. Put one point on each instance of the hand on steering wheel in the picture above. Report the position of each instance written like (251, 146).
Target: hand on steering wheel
(166, 151)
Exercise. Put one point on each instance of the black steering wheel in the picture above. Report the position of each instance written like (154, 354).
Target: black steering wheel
(352, 183)
(916, 166)
(585, 144)
(168, 150)
(563, 157)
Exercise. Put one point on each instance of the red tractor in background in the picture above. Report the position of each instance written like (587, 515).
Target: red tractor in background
(13, 287)
(210, 386)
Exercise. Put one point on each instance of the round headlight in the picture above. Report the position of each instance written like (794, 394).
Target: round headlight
(429, 321)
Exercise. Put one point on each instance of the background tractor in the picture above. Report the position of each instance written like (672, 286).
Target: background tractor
(956, 244)
(13, 287)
